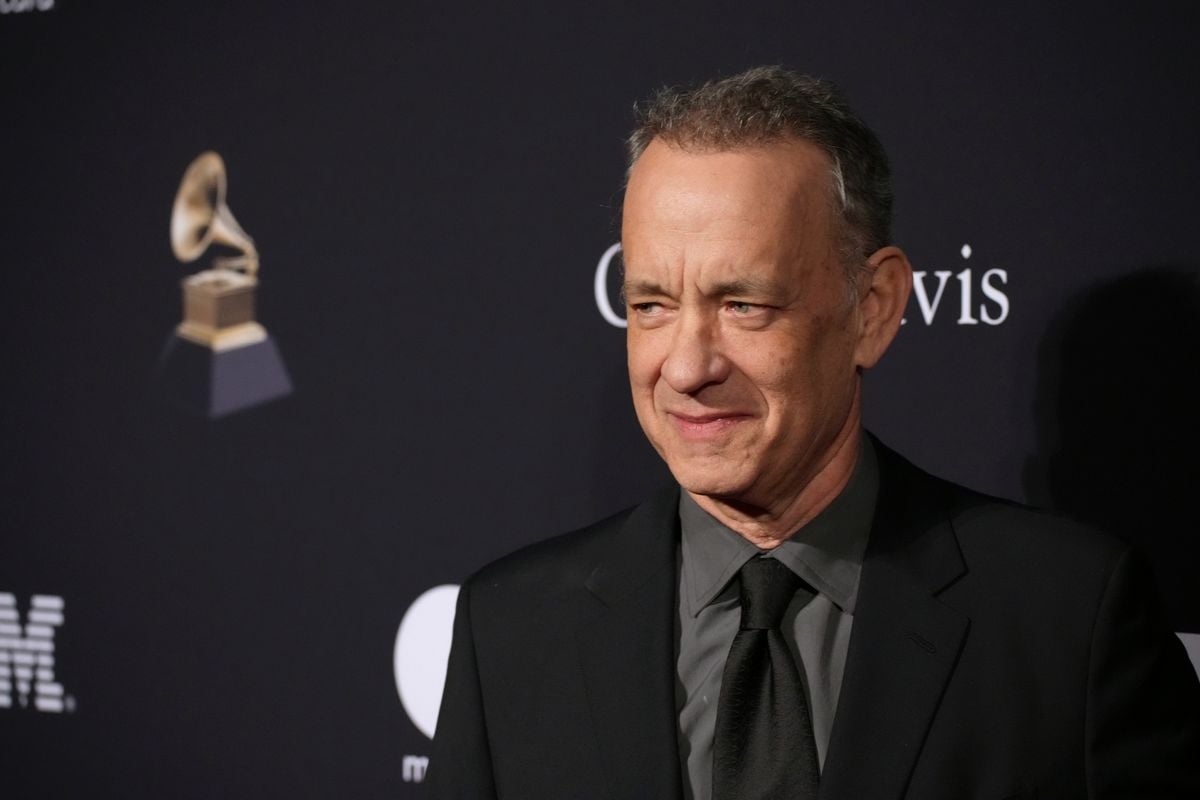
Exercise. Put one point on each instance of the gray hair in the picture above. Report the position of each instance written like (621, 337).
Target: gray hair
(764, 105)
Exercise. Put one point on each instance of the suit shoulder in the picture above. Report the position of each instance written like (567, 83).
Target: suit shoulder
(1045, 552)
(998, 537)
(1005, 523)
(566, 558)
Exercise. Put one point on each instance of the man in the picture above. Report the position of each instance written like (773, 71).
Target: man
(806, 614)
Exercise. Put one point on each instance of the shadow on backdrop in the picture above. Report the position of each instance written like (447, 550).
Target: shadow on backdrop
(1116, 416)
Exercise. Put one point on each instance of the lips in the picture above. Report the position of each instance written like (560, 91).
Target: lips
(706, 426)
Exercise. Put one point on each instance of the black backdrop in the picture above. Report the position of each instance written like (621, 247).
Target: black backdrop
(431, 186)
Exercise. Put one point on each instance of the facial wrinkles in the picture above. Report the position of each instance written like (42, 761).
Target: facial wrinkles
(708, 234)
(732, 263)
(688, 260)
(693, 270)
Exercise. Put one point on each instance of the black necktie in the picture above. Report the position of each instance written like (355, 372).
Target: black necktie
(763, 744)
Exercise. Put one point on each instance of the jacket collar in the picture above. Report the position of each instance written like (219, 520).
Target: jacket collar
(628, 653)
(905, 642)
(903, 648)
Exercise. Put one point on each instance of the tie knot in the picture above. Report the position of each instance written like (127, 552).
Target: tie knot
(767, 587)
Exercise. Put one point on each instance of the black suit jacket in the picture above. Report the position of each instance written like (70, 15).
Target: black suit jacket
(996, 653)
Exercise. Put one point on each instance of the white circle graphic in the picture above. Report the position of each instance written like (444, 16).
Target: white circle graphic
(422, 649)
(600, 288)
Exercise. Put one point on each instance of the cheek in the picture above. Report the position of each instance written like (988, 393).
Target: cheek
(780, 366)
(795, 379)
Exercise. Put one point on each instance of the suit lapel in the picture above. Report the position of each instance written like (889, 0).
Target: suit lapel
(905, 642)
(628, 654)
(903, 649)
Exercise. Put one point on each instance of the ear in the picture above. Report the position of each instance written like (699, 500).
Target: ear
(881, 303)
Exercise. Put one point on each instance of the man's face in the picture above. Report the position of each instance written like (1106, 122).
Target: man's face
(742, 330)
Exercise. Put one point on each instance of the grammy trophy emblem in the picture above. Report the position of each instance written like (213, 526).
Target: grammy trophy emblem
(220, 359)
(218, 303)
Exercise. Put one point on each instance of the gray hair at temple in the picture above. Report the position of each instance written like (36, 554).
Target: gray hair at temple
(769, 104)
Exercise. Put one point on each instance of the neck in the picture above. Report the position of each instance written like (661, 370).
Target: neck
(768, 525)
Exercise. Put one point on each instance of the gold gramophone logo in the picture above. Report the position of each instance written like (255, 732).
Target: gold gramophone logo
(220, 359)
(218, 303)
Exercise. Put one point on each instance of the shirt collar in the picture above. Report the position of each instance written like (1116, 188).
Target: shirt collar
(827, 552)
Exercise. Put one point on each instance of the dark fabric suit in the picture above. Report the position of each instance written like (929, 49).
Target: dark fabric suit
(996, 653)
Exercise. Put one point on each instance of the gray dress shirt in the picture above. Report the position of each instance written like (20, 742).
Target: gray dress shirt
(827, 553)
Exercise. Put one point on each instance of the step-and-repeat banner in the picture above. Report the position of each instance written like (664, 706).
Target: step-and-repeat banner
(310, 309)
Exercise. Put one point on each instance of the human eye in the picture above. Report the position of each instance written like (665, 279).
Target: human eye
(645, 310)
(743, 308)
(747, 314)
(650, 313)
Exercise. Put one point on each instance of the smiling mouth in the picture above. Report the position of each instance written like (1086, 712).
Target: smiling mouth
(705, 426)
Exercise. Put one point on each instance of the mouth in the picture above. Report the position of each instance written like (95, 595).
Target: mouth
(700, 427)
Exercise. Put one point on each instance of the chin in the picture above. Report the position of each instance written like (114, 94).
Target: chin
(712, 480)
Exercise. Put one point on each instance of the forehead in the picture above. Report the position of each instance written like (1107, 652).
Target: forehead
(779, 162)
(763, 204)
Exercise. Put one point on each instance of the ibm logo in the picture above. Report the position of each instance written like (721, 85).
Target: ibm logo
(21, 6)
(414, 768)
(27, 654)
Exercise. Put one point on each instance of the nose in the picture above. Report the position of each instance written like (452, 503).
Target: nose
(695, 359)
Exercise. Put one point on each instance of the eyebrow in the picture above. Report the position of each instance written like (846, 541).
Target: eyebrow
(745, 287)
(642, 287)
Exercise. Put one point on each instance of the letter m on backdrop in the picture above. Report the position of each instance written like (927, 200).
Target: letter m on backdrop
(27, 653)
(414, 768)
